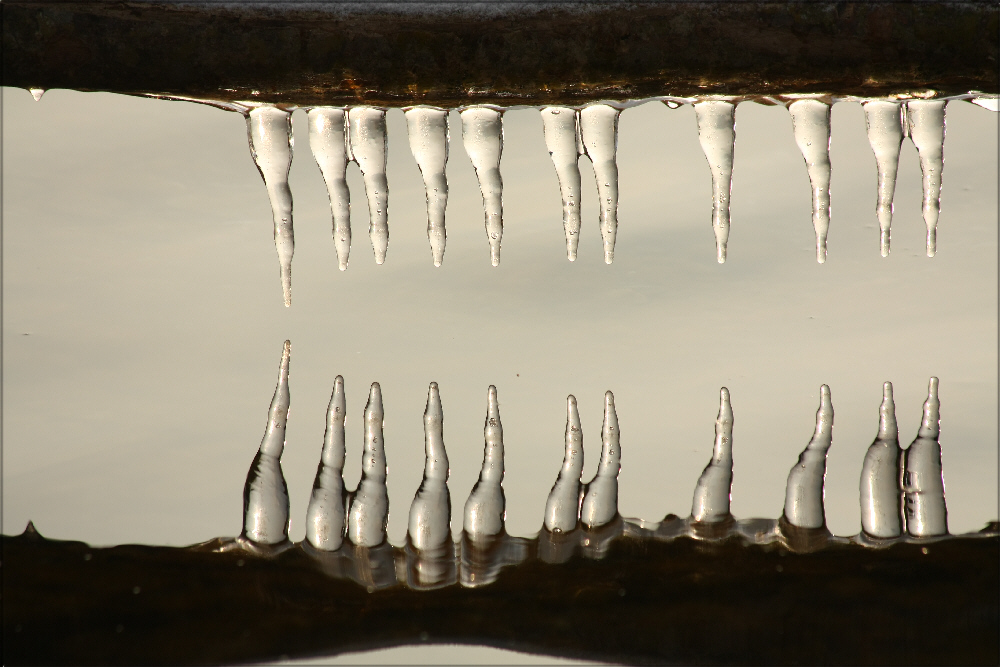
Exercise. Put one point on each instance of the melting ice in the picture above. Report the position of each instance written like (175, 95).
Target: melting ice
(717, 134)
(427, 128)
(881, 476)
(326, 515)
(367, 145)
(562, 508)
(482, 134)
(804, 490)
(368, 509)
(811, 127)
(328, 141)
(600, 500)
(430, 513)
(926, 514)
(714, 489)
(925, 120)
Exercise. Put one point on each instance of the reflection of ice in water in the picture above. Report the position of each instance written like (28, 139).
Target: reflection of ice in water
(811, 127)
(600, 502)
(326, 516)
(484, 510)
(482, 134)
(714, 489)
(367, 145)
(428, 131)
(925, 120)
(599, 131)
(562, 139)
(881, 492)
(368, 511)
(270, 133)
(926, 514)
(430, 513)
(265, 495)
(562, 508)
(804, 491)
(717, 134)
(328, 141)
(885, 133)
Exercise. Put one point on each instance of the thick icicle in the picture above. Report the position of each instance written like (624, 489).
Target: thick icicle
(717, 133)
(428, 131)
(270, 133)
(804, 491)
(811, 126)
(713, 492)
(926, 513)
(885, 134)
(265, 495)
(562, 508)
(430, 513)
(482, 134)
(369, 507)
(485, 508)
(600, 502)
(326, 516)
(599, 132)
(562, 139)
(881, 490)
(367, 141)
(925, 119)
(328, 141)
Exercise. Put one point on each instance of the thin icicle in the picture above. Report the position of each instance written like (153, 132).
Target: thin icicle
(925, 119)
(369, 509)
(804, 490)
(270, 133)
(926, 512)
(600, 503)
(713, 492)
(811, 126)
(367, 142)
(881, 491)
(562, 508)
(562, 139)
(486, 506)
(482, 134)
(328, 141)
(717, 134)
(599, 132)
(428, 131)
(885, 134)
(326, 516)
(430, 513)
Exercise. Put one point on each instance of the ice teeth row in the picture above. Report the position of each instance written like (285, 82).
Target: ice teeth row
(898, 493)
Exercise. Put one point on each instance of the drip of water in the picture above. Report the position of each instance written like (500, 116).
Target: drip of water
(367, 146)
(881, 489)
(265, 495)
(485, 508)
(804, 490)
(430, 513)
(926, 513)
(885, 134)
(599, 132)
(270, 134)
(368, 510)
(925, 120)
(713, 492)
(326, 515)
(562, 139)
(600, 502)
(811, 127)
(562, 508)
(37, 93)
(717, 133)
(482, 134)
(428, 131)
(328, 141)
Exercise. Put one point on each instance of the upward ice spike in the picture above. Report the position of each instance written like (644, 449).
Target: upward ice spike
(804, 491)
(885, 134)
(599, 131)
(326, 516)
(562, 508)
(428, 131)
(430, 513)
(369, 508)
(926, 127)
(600, 503)
(367, 142)
(484, 510)
(926, 513)
(265, 495)
(881, 490)
(714, 489)
(270, 133)
(482, 134)
(328, 141)
(562, 139)
(811, 126)
(717, 133)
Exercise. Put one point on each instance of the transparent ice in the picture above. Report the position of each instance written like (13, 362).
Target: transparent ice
(811, 127)
(925, 119)
(804, 490)
(885, 134)
(717, 134)
(326, 515)
(926, 513)
(328, 141)
(368, 511)
(881, 476)
(600, 501)
(367, 145)
(562, 508)
(485, 508)
(430, 513)
(713, 492)
(428, 131)
(482, 134)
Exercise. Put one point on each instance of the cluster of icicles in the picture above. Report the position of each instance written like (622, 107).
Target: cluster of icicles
(901, 492)
(338, 136)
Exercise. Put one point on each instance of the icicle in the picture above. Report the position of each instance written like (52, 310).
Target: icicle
(599, 131)
(328, 141)
(36, 93)
(270, 134)
(885, 134)
(482, 134)
(430, 513)
(562, 139)
(713, 492)
(990, 102)
(925, 119)
(804, 491)
(881, 491)
(428, 131)
(926, 513)
(367, 142)
(811, 126)
(265, 495)
(369, 508)
(325, 516)
(562, 508)
(717, 133)
(600, 503)
(484, 510)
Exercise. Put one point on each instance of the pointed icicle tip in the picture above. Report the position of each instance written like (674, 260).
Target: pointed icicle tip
(930, 425)
(725, 407)
(30, 530)
(887, 428)
(37, 93)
